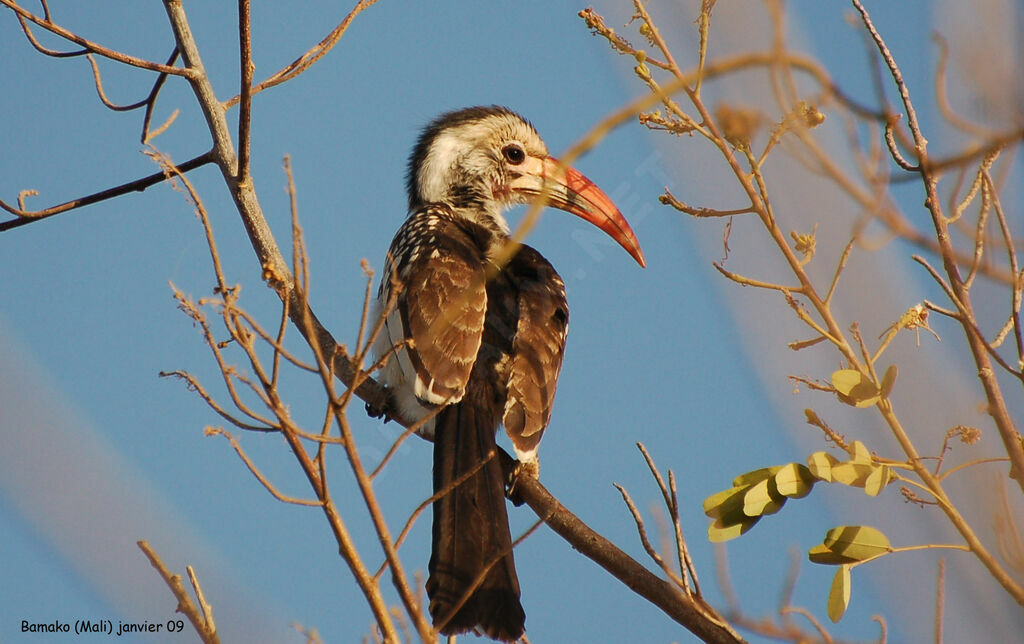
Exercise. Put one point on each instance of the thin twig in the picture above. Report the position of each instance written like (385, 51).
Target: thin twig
(966, 318)
(365, 485)
(940, 592)
(646, 543)
(668, 495)
(482, 575)
(228, 373)
(103, 96)
(275, 343)
(894, 149)
(151, 102)
(409, 431)
(694, 615)
(448, 489)
(1015, 292)
(205, 629)
(195, 386)
(980, 461)
(45, 50)
(686, 565)
(245, 95)
(840, 265)
(306, 60)
(284, 498)
(138, 185)
(670, 199)
(747, 281)
(207, 609)
(789, 585)
(996, 408)
(942, 97)
(825, 636)
(275, 268)
(172, 170)
(93, 47)
(1011, 545)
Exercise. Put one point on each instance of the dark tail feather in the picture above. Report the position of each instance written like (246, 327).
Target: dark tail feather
(470, 531)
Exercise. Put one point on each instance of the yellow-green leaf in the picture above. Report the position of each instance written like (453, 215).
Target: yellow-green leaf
(725, 502)
(821, 554)
(839, 595)
(877, 480)
(820, 464)
(853, 388)
(845, 380)
(858, 542)
(851, 473)
(718, 532)
(760, 500)
(794, 480)
(756, 476)
(888, 380)
(860, 453)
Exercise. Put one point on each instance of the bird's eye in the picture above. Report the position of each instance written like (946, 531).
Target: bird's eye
(513, 154)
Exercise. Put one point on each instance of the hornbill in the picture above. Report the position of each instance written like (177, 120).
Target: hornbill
(477, 344)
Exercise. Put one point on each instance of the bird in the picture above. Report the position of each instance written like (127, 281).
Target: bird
(469, 344)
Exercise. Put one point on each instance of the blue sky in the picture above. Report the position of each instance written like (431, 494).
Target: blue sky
(100, 452)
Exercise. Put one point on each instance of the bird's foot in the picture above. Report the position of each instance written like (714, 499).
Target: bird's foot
(376, 412)
(380, 410)
(527, 468)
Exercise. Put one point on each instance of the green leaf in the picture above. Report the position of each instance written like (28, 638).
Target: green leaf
(858, 542)
(719, 532)
(821, 554)
(794, 481)
(854, 388)
(877, 480)
(888, 380)
(820, 464)
(839, 595)
(761, 499)
(756, 476)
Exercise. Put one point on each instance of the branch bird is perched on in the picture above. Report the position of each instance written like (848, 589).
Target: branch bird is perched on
(486, 351)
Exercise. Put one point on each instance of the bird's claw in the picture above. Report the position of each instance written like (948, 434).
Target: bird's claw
(531, 469)
(376, 412)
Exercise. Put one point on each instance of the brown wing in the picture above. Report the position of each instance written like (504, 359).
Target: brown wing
(536, 358)
(442, 303)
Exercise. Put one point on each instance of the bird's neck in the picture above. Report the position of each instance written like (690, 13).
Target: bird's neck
(476, 207)
(491, 221)
(479, 206)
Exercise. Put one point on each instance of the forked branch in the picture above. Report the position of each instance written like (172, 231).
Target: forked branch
(201, 617)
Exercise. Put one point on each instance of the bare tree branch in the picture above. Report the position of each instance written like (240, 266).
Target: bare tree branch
(94, 47)
(699, 619)
(201, 621)
(138, 185)
(996, 403)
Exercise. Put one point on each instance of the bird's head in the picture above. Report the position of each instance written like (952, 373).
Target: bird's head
(481, 160)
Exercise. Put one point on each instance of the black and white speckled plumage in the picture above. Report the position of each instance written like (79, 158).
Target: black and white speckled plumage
(483, 343)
